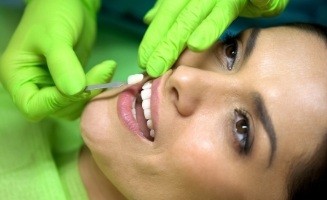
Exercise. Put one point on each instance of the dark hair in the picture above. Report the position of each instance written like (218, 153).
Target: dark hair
(308, 179)
(317, 29)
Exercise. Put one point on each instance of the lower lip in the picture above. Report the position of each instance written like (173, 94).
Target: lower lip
(125, 101)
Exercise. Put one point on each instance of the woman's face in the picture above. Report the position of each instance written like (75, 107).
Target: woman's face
(228, 122)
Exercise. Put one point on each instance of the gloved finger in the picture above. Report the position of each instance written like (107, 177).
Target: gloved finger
(165, 18)
(152, 12)
(71, 112)
(264, 8)
(38, 103)
(101, 73)
(84, 46)
(31, 87)
(65, 69)
(260, 3)
(167, 52)
(224, 13)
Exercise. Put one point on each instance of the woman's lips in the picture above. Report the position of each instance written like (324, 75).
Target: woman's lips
(125, 103)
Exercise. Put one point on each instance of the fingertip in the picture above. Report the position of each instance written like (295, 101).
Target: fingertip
(109, 66)
(110, 63)
(143, 55)
(153, 73)
(101, 72)
(66, 70)
(149, 16)
(159, 64)
(72, 86)
(140, 63)
(155, 70)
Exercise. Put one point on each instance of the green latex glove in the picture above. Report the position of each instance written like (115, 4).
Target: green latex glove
(37, 97)
(71, 108)
(196, 24)
(42, 67)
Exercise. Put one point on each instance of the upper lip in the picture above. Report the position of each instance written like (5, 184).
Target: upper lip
(158, 85)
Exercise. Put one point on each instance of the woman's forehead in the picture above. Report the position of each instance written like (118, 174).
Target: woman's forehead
(294, 85)
(290, 52)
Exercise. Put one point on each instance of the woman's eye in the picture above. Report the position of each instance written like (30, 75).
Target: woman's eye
(242, 131)
(230, 50)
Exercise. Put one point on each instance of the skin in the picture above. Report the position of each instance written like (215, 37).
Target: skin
(199, 156)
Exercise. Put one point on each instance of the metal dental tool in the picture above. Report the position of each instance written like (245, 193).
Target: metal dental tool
(132, 79)
(104, 86)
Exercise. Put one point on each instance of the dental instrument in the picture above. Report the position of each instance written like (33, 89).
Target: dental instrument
(104, 86)
(132, 79)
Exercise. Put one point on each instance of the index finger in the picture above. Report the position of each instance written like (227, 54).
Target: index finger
(171, 46)
(66, 69)
(164, 19)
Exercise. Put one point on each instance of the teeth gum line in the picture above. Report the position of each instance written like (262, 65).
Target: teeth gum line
(146, 96)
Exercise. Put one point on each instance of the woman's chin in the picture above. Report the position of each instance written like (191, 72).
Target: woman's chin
(97, 118)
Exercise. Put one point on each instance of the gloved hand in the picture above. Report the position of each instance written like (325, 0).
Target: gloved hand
(71, 108)
(42, 64)
(36, 96)
(196, 24)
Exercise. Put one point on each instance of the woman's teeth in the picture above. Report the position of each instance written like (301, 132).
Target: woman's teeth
(146, 105)
(146, 100)
(135, 78)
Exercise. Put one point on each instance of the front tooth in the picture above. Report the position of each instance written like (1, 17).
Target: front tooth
(147, 113)
(135, 78)
(146, 94)
(152, 133)
(149, 124)
(146, 104)
(147, 85)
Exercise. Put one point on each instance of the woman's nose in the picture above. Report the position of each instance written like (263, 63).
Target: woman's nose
(189, 88)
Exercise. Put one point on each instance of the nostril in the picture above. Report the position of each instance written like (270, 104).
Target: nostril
(181, 91)
(184, 107)
(174, 94)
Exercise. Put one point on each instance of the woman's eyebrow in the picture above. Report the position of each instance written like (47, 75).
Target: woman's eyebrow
(250, 44)
(265, 119)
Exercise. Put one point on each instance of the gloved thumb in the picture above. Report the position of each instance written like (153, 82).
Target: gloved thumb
(101, 73)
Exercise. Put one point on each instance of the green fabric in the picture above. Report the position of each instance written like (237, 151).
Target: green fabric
(38, 160)
(70, 177)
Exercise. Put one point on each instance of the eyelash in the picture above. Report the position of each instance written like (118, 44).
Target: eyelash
(230, 44)
(245, 143)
